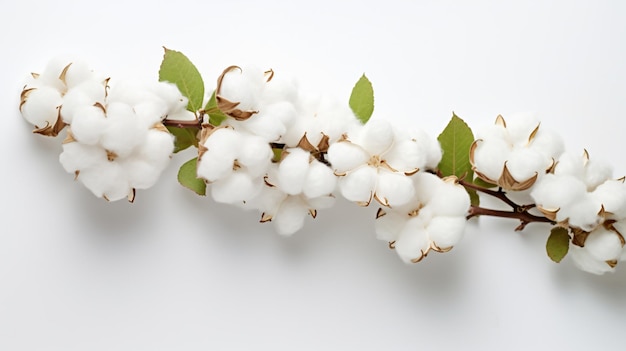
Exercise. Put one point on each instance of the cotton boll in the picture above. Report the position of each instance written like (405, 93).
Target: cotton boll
(548, 143)
(41, 107)
(394, 189)
(320, 202)
(524, 163)
(490, 156)
(492, 132)
(86, 94)
(243, 85)
(412, 243)
(446, 232)
(123, 132)
(255, 155)
(450, 200)
(140, 174)
(157, 147)
(520, 126)
(429, 147)
(78, 72)
(279, 88)
(603, 245)
(105, 179)
(345, 156)
(292, 171)
(586, 262)
(554, 192)
(612, 195)
(262, 124)
(359, 185)
(583, 213)
(406, 156)
(320, 180)
(570, 164)
(389, 226)
(596, 173)
(236, 188)
(226, 141)
(172, 97)
(426, 186)
(77, 156)
(213, 166)
(290, 216)
(89, 124)
(377, 137)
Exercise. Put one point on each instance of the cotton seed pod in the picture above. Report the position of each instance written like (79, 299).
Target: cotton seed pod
(514, 154)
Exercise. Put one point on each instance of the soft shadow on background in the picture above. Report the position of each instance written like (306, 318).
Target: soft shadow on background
(178, 271)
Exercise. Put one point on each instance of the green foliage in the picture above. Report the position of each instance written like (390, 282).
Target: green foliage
(362, 99)
(483, 183)
(184, 137)
(187, 176)
(456, 140)
(177, 68)
(557, 244)
(216, 117)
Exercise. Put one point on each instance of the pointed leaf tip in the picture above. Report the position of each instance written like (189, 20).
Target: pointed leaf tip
(456, 141)
(187, 176)
(362, 99)
(177, 68)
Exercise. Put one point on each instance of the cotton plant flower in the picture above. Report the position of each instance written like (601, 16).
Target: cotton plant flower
(375, 162)
(121, 145)
(256, 101)
(50, 98)
(581, 194)
(233, 163)
(434, 219)
(515, 152)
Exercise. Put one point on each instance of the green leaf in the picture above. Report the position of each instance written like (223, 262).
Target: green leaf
(188, 178)
(184, 137)
(216, 117)
(176, 68)
(456, 140)
(483, 183)
(362, 99)
(557, 244)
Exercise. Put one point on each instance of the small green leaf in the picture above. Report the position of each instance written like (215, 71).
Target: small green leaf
(362, 99)
(188, 178)
(177, 68)
(216, 117)
(557, 244)
(456, 140)
(184, 137)
(483, 183)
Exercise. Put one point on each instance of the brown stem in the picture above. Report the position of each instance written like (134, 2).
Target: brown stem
(182, 124)
(518, 211)
(523, 216)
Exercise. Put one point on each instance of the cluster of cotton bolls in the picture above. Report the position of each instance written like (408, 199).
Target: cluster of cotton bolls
(115, 140)
(288, 153)
(582, 193)
(574, 191)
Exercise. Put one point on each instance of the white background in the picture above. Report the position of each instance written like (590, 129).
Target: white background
(175, 271)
